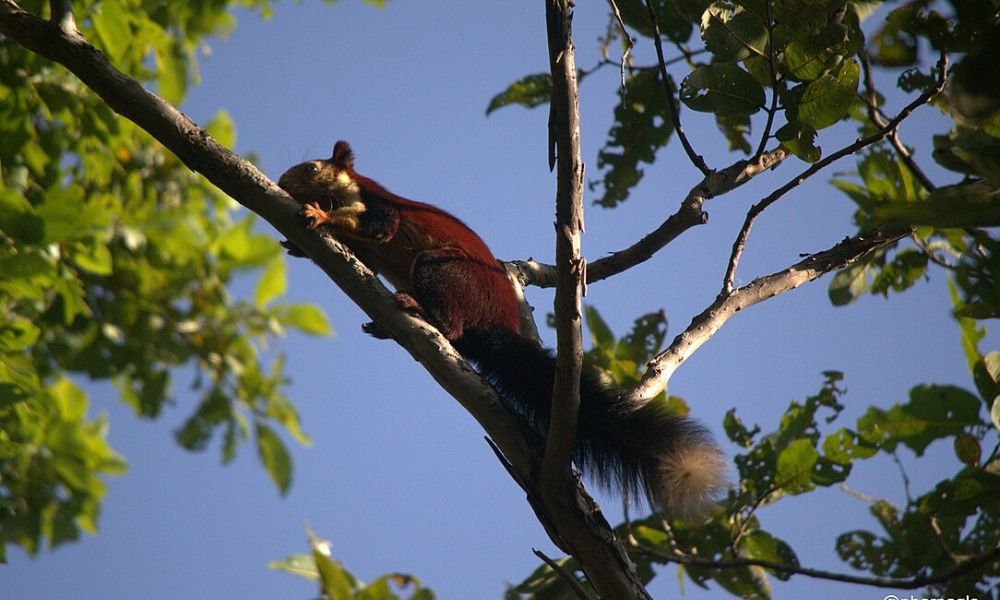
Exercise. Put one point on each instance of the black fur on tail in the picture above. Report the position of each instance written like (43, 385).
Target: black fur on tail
(641, 452)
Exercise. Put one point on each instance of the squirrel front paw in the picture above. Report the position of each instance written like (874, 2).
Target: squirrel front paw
(314, 215)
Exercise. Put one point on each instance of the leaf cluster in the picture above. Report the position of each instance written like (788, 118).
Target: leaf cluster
(337, 583)
(117, 262)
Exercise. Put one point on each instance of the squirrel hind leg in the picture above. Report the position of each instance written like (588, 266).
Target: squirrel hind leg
(445, 288)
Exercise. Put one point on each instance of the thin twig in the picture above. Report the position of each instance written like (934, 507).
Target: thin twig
(629, 42)
(571, 581)
(757, 504)
(696, 159)
(960, 570)
(766, 135)
(904, 476)
(878, 119)
(939, 538)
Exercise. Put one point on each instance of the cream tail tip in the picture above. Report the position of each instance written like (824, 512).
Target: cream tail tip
(691, 480)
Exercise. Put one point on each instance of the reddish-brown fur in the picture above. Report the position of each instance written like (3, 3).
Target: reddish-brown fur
(421, 249)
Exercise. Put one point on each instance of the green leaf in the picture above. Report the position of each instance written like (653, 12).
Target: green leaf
(642, 125)
(800, 140)
(933, 412)
(850, 283)
(243, 248)
(529, 91)
(18, 334)
(967, 449)
(673, 22)
(68, 215)
(905, 269)
(764, 546)
(736, 129)
(334, 581)
(302, 565)
(732, 32)
(307, 318)
(111, 22)
(961, 205)
(737, 431)
(171, 74)
(844, 446)
(600, 333)
(18, 219)
(826, 100)
(272, 283)
(812, 54)
(795, 464)
(892, 46)
(93, 255)
(995, 413)
(273, 454)
(222, 128)
(723, 89)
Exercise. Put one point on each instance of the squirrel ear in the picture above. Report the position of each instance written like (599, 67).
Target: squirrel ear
(343, 156)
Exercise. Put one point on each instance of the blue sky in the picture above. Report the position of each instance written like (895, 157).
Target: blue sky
(399, 477)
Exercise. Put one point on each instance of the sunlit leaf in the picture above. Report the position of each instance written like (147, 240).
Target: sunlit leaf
(272, 283)
(529, 91)
(825, 101)
(274, 456)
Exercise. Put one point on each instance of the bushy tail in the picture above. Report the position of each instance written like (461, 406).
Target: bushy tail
(645, 451)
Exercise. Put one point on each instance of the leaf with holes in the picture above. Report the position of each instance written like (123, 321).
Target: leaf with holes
(724, 89)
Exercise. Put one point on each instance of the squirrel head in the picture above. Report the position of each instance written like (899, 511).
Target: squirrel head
(331, 182)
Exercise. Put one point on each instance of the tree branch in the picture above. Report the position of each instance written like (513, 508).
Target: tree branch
(706, 324)
(766, 134)
(565, 132)
(888, 129)
(879, 121)
(604, 561)
(690, 214)
(960, 570)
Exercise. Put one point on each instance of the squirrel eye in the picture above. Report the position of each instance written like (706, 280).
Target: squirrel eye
(312, 168)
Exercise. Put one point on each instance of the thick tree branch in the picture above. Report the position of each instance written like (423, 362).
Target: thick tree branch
(577, 522)
(565, 134)
(603, 560)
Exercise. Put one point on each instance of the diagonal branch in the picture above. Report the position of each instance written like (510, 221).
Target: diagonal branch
(706, 324)
(578, 521)
(690, 214)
